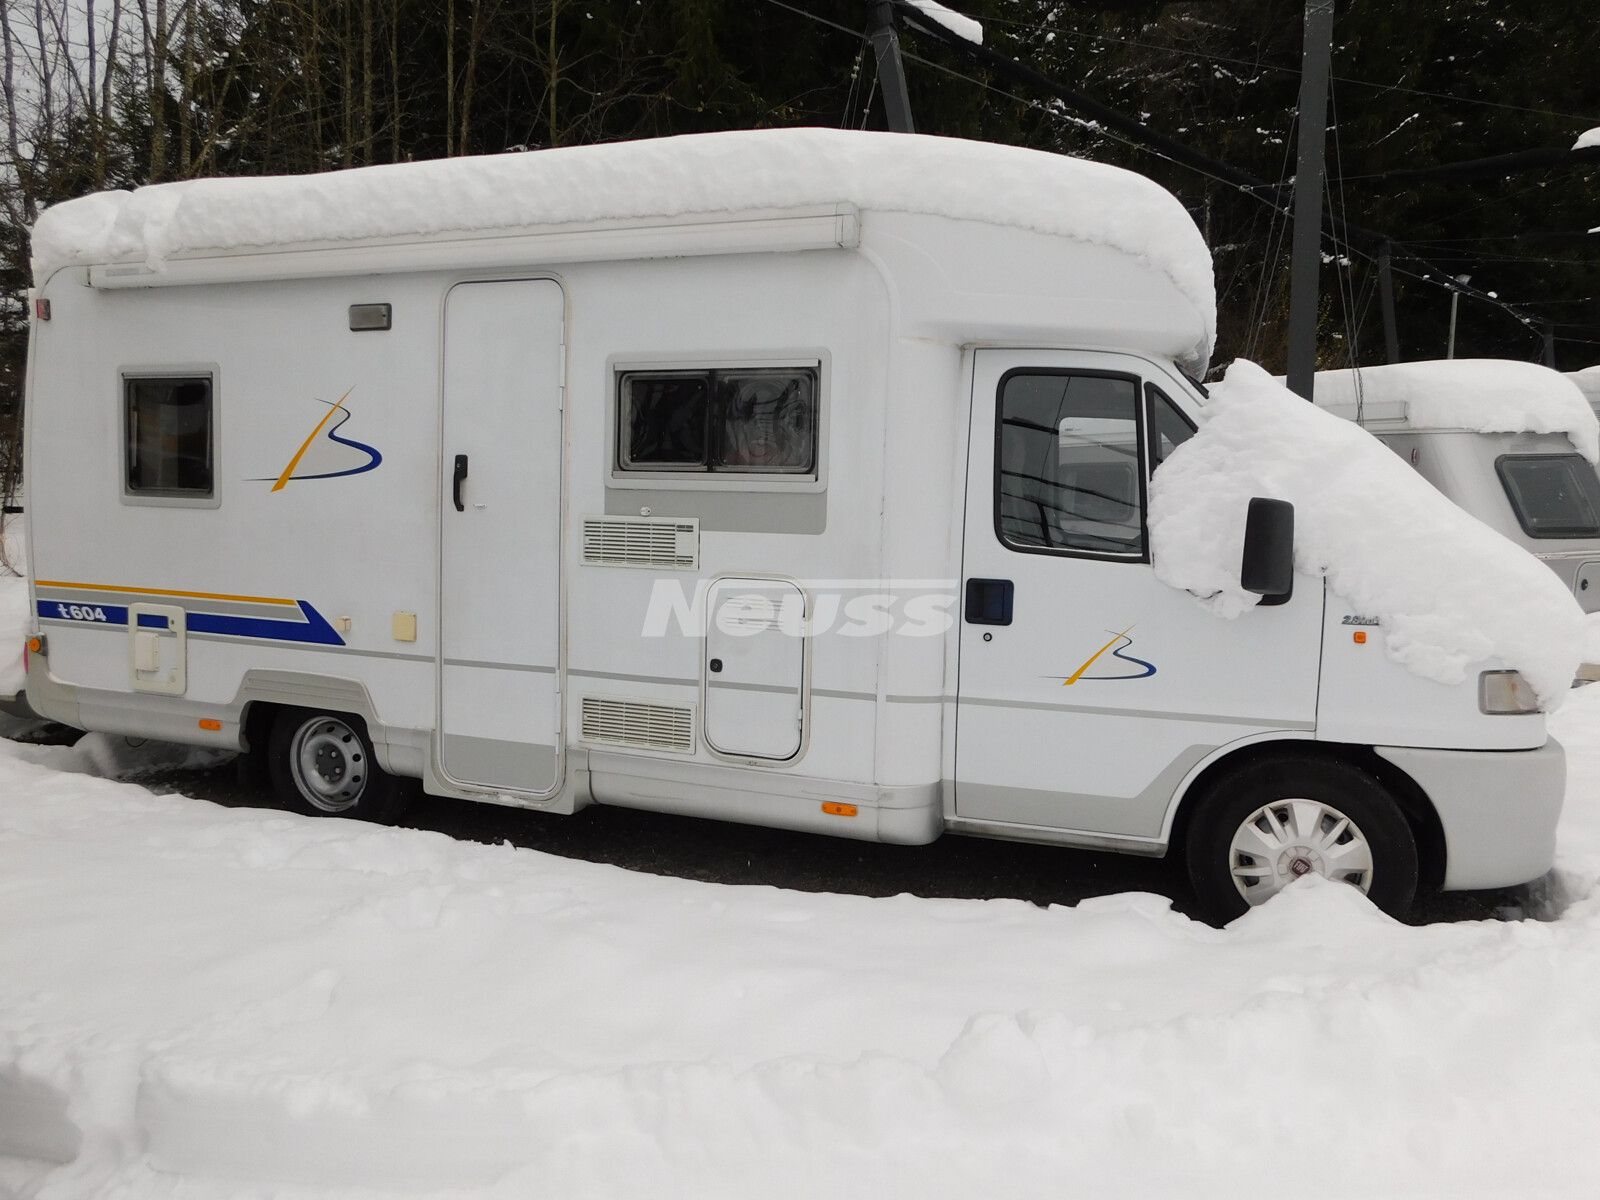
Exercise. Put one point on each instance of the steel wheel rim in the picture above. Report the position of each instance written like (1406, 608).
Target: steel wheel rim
(330, 765)
(1287, 839)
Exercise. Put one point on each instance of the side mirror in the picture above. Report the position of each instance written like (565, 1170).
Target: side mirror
(1267, 568)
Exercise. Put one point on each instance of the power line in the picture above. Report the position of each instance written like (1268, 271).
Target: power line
(1185, 52)
(1162, 148)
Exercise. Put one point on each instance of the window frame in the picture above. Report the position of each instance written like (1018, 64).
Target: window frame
(211, 373)
(1516, 508)
(1141, 448)
(1152, 395)
(659, 477)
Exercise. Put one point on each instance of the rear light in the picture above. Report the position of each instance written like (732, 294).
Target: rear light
(1505, 693)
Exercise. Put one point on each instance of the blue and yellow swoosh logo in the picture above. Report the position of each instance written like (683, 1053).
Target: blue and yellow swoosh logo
(1117, 648)
(294, 471)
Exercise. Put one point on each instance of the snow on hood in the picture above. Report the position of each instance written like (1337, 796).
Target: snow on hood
(1587, 139)
(1487, 395)
(1450, 591)
(703, 175)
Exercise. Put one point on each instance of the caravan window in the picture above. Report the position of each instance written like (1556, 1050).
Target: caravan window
(168, 423)
(1070, 473)
(755, 420)
(1553, 495)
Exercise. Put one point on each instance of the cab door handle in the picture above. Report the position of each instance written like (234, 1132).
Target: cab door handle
(988, 601)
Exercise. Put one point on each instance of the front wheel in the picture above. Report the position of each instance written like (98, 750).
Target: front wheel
(1260, 827)
(322, 765)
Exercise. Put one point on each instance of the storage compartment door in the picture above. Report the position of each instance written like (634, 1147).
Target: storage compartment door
(755, 668)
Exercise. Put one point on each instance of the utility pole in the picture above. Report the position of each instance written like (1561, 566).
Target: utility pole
(1455, 301)
(891, 71)
(1391, 334)
(1310, 170)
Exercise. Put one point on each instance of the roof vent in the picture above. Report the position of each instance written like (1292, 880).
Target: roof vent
(641, 723)
(670, 543)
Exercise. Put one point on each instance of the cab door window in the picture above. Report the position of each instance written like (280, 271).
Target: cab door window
(1169, 428)
(1070, 464)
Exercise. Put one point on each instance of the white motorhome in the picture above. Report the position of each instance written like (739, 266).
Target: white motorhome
(1499, 438)
(795, 478)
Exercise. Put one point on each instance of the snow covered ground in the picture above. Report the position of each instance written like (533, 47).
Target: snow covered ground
(201, 1003)
(13, 605)
(207, 1003)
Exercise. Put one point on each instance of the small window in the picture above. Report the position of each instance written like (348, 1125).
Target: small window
(169, 435)
(1069, 463)
(1553, 495)
(758, 420)
(1169, 428)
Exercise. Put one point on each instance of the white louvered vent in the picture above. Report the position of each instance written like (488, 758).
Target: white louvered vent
(672, 543)
(638, 723)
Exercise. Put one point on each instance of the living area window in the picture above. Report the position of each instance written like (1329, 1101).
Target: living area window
(169, 436)
(730, 421)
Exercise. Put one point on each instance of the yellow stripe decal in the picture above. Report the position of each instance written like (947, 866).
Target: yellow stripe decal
(306, 445)
(142, 591)
(1078, 674)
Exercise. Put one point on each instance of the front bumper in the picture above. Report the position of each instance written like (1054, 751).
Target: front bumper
(1499, 809)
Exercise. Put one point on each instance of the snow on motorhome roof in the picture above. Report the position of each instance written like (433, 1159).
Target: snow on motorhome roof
(1486, 395)
(696, 176)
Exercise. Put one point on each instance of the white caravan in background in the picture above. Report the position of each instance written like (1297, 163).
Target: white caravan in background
(824, 509)
(1588, 381)
(1467, 426)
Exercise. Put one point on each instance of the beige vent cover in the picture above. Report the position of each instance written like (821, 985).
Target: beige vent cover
(640, 723)
(672, 543)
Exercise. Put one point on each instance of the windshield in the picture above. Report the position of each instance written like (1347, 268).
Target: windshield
(1553, 495)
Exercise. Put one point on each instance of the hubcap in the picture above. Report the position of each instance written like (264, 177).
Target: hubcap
(1287, 839)
(329, 765)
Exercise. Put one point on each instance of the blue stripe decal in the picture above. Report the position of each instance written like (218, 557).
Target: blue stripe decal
(84, 614)
(314, 630)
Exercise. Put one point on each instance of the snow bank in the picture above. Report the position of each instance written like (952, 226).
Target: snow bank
(220, 1004)
(1588, 138)
(1450, 591)
(1486, 395)
(963, 27)
(702, 175)
(14, 621)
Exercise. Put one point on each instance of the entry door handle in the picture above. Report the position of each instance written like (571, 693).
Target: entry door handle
(458, 480)
(989, 601)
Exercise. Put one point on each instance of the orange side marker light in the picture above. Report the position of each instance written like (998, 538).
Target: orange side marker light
(834, 809)
(210, 723)
(1360, 637)
(35, 644)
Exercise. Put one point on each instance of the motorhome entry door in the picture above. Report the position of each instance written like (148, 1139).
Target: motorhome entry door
(500, 609)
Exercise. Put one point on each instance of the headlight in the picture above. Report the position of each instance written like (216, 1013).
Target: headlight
(1502, 693)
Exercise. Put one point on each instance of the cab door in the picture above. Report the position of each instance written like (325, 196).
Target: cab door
(1087, 687)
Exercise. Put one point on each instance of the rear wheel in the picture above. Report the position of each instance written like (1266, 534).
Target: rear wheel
(1260, 827)
(322, 764)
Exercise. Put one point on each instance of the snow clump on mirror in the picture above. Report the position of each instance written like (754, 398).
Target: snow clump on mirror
(1449, 591)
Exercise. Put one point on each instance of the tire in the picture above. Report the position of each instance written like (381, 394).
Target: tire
(322, 764)
(1295, 816)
